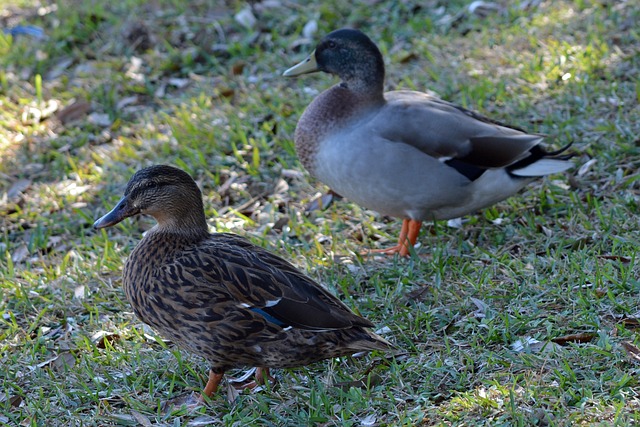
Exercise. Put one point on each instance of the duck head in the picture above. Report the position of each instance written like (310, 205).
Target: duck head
(166, 193)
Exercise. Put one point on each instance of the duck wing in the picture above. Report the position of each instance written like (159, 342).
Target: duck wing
(267, 284)
(447, 131)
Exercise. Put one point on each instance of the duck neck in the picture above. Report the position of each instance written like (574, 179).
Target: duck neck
(370, 92)
(184, 221)
(367, 78)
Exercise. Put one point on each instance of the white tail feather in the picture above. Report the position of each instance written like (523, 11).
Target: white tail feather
(543, 167)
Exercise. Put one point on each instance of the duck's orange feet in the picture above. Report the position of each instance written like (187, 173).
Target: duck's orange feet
(387, 251)
(406, 240)
(212, 384)
(261, 377)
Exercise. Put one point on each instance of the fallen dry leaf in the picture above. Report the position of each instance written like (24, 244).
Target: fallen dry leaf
(123, 419)
(579, 338)
(232, 393)
(417, 294)
(56, 70)
(632, 351)
(128, 100)
(101, 338)
(141, 419)
(521, 344)
(586, 166)
(532, 345)
(179, 83)
(484, 8)
(204, 420)
(237, 68)
(246, 18)
(18, 188)
(310, 29)
(455, 222)
(63, 360)
(322, 202)
(59, 362)
(407, 57)
(280, 223)
(20, 254)
(364, 383)
(78, 292)
(292, 173)
(223, 92)
(482, 307)
(369, 420)
(161, 91)
(75, 111)
(622, 259)
(99, 119)
(600, 292)
(15, 401)
(384, 330)
(631, 323)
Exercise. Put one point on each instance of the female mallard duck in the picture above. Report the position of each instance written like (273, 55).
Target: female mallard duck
(220, 296)
(404, 153)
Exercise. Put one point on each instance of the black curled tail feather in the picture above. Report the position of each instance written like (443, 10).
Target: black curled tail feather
(538, 153)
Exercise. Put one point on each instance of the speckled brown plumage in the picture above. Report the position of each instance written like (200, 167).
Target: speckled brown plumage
(406, 153)
(221, 297)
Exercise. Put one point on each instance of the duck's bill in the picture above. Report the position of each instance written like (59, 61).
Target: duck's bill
(114, 216)
(307, 66)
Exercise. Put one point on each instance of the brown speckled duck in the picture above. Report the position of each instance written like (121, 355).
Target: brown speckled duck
(221, 297)
(405, 153)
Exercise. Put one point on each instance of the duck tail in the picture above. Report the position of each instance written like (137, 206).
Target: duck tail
(371, 341)
(542, 162)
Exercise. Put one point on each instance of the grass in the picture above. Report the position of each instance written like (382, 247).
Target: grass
(519, 317)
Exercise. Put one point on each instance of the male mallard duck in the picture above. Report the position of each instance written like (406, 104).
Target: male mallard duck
(220, 296)
(405, 153)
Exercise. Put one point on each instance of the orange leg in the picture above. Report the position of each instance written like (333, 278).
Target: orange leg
(406, 240)
(411, 237)
(212, 384)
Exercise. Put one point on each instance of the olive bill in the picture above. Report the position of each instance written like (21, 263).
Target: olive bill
(307, 66)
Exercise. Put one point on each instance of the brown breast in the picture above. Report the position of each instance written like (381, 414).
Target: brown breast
(328, 113)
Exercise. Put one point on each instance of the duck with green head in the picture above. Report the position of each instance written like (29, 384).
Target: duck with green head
(220, 296)
(404, 153)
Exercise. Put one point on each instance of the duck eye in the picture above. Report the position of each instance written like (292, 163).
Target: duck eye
(331, 45)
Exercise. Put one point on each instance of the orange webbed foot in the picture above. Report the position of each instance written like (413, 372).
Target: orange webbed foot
(212, 385)
(261, 376)
(406, 240)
